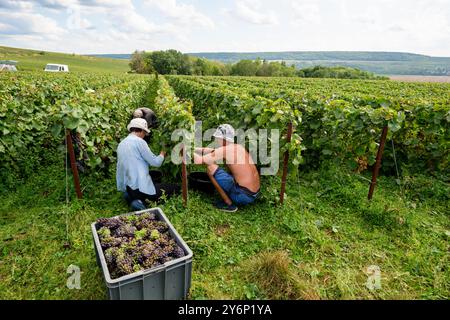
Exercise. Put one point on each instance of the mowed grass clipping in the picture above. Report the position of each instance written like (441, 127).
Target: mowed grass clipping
(33, 60)
(320, 244)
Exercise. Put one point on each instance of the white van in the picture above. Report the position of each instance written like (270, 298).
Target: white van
(56, 68)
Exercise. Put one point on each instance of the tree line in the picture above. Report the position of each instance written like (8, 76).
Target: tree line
(175, 62)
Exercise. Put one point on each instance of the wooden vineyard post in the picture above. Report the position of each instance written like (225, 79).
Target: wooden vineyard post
(73, 165)
(184, 185)
(219, 189)
(285, 164)
(376, 168)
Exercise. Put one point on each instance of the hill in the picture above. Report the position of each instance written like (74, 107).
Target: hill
(384, 63)
(36, 60)
(388, 63)
(314, 55)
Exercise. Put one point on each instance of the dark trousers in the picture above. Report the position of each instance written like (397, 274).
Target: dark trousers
(169, 189)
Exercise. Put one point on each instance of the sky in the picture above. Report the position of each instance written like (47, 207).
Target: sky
(123, 26)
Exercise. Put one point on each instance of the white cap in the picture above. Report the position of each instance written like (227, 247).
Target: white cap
(225, 131)
(138, 123)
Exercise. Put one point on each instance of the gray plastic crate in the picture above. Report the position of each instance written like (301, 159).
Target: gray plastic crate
(170, 281)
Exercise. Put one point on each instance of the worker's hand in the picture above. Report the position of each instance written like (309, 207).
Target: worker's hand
(163, 153)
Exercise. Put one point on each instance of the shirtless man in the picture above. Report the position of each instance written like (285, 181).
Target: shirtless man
(242, 185)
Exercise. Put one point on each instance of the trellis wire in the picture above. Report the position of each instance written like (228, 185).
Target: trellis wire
(396, 167)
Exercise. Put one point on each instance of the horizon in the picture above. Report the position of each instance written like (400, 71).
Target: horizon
(90, 27)
(228, 52)
(287, 51)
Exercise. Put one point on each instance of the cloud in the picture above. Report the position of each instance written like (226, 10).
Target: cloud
(252, 11)
(122, 18)
(93, 4)
(25, 23)
(55, 4)
(77, 21)
(185, 14)
(428, 27)
(125, 21)
(403, 23)
(116, 21)
(396, 28)
(107, 3)
(421, 26)
(133, 24)
(4, 27)
(305, 12)
(24, 5)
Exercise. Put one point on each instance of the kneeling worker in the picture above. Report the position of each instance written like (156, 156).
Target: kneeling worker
(242, 185)
(148, 115)
(133, 160)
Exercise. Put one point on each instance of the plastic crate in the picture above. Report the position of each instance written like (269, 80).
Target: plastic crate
(170, 281)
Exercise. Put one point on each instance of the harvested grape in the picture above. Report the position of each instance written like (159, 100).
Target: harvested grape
(178, 252)
(111, 223)
(136, 242)
(126, 230)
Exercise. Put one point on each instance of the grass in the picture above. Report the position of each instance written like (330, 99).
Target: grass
(318, 245)
(32, 60)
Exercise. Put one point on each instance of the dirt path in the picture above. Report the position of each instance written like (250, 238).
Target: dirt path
(421, 78)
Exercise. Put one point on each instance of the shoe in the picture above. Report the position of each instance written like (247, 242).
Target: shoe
(137, 205)
(224, 207)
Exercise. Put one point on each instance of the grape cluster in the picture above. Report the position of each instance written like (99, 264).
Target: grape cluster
(124, 263)
(178, 252)
(160, 226)
(135, 242)
(126, 230)
(111, 255)
(106, 239)
(110, 242)
(110, 223)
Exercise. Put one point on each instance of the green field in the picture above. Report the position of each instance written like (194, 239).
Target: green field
(319, 245)
(32, 60)
(322, 243)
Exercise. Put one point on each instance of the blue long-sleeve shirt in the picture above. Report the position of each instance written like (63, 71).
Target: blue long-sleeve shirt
(133, 159)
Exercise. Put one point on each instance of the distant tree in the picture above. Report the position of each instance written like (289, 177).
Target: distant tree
(169, 62)
(200, 67)
(337, 72)
(262, 69)
(244, 68)
(139, 64)
(218, 70)
(228, 69)
(174, 62)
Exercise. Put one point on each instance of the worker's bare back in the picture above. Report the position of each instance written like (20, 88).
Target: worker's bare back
(241, 165)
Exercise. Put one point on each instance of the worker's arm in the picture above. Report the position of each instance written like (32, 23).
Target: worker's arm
(210, 158)
(204, 150)
(149, 157)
